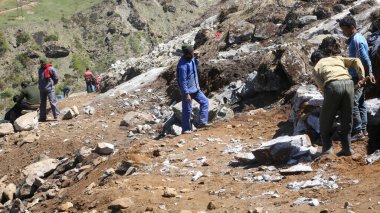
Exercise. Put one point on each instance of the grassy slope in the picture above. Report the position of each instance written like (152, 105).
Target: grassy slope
(45, 10)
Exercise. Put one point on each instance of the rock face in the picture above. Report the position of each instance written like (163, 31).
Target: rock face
(27, 122)
(283, 149)
(55, 51)
(41, 168)
(6, 129)
(104, 149)
(30, 186)
(241, 32)
(373, 110)
(135, 118)
(213, 110)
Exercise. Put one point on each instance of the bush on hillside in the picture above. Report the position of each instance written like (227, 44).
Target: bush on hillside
(3, 44)
(51, 38)
(79, 63)
(22, 38)
(23, 59)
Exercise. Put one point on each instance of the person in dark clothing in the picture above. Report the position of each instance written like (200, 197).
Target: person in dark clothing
(47, 79)
(66, 90)
(188, 82)
(29, 99)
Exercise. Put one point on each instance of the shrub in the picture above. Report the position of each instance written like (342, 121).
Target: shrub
(51, 38)
(22, 38)
(79, 63)
(23, 59)
(3, 44)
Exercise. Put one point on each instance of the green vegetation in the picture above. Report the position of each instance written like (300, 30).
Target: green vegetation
(135, 43)
(22, 38)
(3, 44)
(46, 10)
(51, 38)
(79, 63)
(23, 59)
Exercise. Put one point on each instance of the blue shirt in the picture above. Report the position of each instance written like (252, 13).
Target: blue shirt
(187, 75)
(358, 48)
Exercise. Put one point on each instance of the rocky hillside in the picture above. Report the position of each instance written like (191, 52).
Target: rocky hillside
(95, 37)
(122, 150)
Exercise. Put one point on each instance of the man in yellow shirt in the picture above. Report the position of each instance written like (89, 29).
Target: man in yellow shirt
(332, 77)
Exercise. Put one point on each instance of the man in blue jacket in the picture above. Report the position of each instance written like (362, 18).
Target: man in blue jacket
(357, 48)
(188, 82)
(47, 79)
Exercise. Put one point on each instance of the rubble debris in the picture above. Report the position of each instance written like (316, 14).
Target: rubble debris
(304, 200)
(316, 182)
(27, 122)
(197, 175)
(104, 148)
(169, 192)
(125, 168)
(296, 169)
(89, 110)
(41, 168)
(122, 203)
(6, 129)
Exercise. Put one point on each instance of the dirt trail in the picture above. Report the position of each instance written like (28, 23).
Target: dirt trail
(31, 4)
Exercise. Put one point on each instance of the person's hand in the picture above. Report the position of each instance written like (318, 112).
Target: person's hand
(372, 78)
(188, 98)
(362, 82)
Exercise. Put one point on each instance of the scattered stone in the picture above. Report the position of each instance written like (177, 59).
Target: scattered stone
(257, 210)
(149, 209)
(30, 138)
(6, 129)
(197, 175)
(211, 206)
(75, 110)
(65, 207)
(133, 118)
(316, 182)
(373, 110)
(169, 192)
(9, 192)
(122, 203)
(83, 153)
(175, 130)
(125, 168)
(299, 168)
(89, 110)
(304, 200)
(41, 168)
(213, 110)
(67, 114)
(156, 153)
(372, 158)
(347, 205)
(30, 186)
(17, 207)
(104, 149)
(27, 122)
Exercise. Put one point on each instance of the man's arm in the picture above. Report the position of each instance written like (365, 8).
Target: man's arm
(363, 55)
(54, 75)
(182, 79)
(318, 81)
(356, 64)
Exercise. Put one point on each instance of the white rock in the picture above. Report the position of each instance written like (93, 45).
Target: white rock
(75, 110)
(27, 122)
(297, 169)
(41, 168)
(6, 129)
(197, 175)
(9, 191)
(67, 114)
(89, 110)
(373, 110)
(122, 203)
(104, 148)
(245, 158)
(213, 110)
(30, 138)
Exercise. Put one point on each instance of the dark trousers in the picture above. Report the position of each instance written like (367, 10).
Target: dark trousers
(338, 96)
(90, 87)
(45, 95)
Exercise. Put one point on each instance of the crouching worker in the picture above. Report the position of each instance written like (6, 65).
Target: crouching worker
(29, 99)
(332, 77)
(188, 82)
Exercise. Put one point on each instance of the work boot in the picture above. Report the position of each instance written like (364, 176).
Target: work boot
(345, 152)
(327, 151)
(357, 137)
(199, 126)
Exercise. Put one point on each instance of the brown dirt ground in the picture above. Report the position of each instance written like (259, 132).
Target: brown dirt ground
(146, 186)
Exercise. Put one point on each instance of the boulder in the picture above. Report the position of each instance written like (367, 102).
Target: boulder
(265, 31)
(122, 203)
(55, 51)
(18, 207)
(225, 114)
(322, 12)
(68, 114)
(241, 32)
(169, 192)
(294, 65)
(282, 149)
(27, 122)
(9, 192)
(82, 154)
(30, 138)
(135, 118)
(212, 111)
(373, 110)
(305, 20)
(65, 207)
(89, 110)
(30, 186)
(104, 149)
(41, 168)
(6, 129)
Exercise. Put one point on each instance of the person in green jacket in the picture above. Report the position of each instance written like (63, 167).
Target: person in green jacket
(29, 99)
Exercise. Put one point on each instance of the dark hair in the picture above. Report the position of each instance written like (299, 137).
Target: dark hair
(186, 49)
(347, 21)
(317, 55)
(330, 46)
(87, 68)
